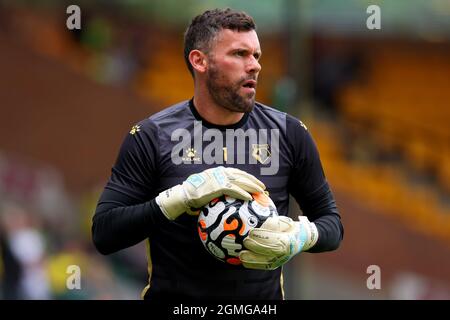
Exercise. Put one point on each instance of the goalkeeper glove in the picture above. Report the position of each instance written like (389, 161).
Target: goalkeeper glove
(277, 241)
(200, 188)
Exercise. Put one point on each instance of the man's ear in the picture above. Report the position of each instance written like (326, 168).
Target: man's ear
(198, 61)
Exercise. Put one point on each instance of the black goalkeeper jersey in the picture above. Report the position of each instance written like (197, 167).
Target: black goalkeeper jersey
(163, 150)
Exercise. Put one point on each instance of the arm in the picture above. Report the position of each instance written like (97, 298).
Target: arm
(118, 223)
(310, 189)
(126, 210)
(320, 208)
(319, 229)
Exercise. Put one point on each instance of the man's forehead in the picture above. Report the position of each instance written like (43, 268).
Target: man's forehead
(238, 39)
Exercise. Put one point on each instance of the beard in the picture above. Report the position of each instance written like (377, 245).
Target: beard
(226, 94)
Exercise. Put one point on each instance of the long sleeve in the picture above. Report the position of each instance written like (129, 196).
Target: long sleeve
(118, 224)
(320, 207)
(310, 189)
(126, 211)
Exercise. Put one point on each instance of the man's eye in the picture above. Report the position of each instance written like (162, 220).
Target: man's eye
(240, 53)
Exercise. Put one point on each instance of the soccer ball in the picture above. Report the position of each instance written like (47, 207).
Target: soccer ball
(224, 223)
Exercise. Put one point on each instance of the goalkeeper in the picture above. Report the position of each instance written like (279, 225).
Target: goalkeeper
(163, 173)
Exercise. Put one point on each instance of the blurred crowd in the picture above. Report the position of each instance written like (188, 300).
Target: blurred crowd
(43, 232)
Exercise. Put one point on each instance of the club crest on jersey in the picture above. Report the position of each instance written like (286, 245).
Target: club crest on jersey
(261, 152)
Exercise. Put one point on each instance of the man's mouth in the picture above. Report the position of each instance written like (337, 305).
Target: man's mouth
(249, 84)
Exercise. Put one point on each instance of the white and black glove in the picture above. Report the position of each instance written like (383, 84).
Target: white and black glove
(277, 241)
(200, 188)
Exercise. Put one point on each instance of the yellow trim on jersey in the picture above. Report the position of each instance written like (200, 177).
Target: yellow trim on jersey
(149, 269)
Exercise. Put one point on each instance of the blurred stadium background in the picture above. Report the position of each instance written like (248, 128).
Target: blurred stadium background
(376, 101)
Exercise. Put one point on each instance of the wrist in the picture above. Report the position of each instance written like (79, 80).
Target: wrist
(172, 202)
(311, 231)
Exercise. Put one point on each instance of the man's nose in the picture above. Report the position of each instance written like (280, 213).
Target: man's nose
(253, 66)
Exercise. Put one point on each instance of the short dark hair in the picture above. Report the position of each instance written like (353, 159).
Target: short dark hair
(204, 27)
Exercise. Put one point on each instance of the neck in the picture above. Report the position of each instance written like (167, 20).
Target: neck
(212, 112)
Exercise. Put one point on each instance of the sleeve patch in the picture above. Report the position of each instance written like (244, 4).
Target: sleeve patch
(134, 129)
(303, 125)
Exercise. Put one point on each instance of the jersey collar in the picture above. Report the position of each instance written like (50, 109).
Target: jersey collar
(207, 124)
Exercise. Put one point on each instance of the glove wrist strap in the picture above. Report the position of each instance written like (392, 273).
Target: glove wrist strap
(313, 233)
(172, 202)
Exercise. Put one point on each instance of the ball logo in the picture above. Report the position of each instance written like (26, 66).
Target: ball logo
(252, 221)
